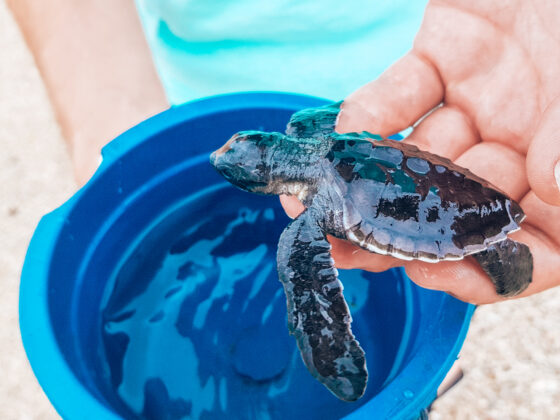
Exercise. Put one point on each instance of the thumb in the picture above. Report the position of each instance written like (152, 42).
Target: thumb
(397, 99)
(543, 156)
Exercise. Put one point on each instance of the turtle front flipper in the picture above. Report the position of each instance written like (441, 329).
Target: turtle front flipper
(509, 265)
(314, 122)
(318, 315)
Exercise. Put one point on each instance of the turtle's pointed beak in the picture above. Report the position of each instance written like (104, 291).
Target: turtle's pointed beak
(217, 157)
(213, 159)
(222, 163)
(226, 164)
(240, 161)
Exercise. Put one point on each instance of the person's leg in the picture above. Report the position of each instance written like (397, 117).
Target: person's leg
(96, 65)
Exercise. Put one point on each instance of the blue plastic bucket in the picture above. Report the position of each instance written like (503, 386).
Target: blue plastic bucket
(153, 291)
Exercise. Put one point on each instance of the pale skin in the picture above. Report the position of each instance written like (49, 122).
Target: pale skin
(95, 62)
(493, 66)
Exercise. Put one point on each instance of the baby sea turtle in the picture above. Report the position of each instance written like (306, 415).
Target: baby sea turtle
(383, 195)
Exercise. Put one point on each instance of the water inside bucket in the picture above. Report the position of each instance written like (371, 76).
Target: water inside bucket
(194, 319)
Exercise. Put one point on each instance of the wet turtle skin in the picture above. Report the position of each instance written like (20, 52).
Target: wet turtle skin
(383, 195)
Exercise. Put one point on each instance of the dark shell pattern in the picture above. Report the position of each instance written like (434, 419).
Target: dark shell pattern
(383, 195)
(416, 205)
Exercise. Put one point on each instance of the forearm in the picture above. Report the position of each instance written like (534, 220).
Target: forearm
(96, 66)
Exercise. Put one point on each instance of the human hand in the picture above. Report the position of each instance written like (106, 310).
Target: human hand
(494, 70)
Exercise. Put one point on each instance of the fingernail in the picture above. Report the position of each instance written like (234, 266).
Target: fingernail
(338, 115)
(340, 112)
(352, 117)
(557, 174)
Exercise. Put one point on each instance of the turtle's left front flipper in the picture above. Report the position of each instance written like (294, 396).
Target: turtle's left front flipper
(314, 122)
(318, 315)
(509, 265)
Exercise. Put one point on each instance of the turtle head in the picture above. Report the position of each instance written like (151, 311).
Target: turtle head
(245, 159)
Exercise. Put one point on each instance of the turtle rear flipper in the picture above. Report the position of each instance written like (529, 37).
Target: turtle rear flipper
(509, 265)
(318, 315)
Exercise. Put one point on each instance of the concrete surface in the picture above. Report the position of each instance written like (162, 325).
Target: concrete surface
(511, 357)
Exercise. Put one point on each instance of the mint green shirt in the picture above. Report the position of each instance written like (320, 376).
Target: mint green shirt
(326, 48)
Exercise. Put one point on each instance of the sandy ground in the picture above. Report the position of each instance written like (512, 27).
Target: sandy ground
(511, 357)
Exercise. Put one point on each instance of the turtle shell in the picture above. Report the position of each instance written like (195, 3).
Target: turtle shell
(412, 204)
